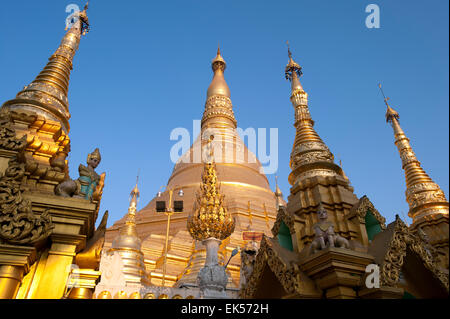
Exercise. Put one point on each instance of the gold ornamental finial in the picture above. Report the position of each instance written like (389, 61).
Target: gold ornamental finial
(210, 218)
(425, 198)
(218, 85)
(390, 112)
(293, 72)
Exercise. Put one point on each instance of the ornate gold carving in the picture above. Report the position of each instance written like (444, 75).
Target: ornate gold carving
(18, 224)
(218, 105)
(8, 140)
(361, 208)
(287, 218)
(431, 196)
(288, 275)
(310, 146)
(312, 157)
(393, 260)
(210, 218)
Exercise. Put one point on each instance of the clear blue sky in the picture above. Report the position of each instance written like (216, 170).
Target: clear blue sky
(145, 66)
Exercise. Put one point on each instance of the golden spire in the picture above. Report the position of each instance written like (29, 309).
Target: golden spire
(128, 237)
(210, 218)
(424, 197)
(128, 244)
(310, 156)
(47, 94)
(279, 195)
(218, 107)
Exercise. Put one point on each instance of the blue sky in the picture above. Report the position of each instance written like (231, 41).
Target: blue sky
(145, 67)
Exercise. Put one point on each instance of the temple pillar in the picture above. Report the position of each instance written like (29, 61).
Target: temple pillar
(15, 262)
(58, 266)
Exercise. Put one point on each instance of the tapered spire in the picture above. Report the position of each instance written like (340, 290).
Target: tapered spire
(128, 237)
(218, 107)
(128, 244)
(424, 197)
(279, 195)
(47, 94)
(310, 156)
(218, 85)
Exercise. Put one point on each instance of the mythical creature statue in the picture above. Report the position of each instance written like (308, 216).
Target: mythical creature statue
(88, 182)
(325, 235)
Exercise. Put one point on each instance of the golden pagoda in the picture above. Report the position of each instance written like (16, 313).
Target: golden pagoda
(241, 178)
(428, 206)
(329, 244)
(49, 247)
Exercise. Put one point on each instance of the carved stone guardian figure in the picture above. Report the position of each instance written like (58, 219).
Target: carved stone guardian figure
(87, 183)
(324, 234)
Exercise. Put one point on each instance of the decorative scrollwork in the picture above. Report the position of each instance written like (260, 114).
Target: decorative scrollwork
(393, 261)
(287, 218)
(8, 139)
(288, 275)
(18, 224)
(361, 208)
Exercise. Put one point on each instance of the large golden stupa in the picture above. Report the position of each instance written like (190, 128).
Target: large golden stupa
(248, 195)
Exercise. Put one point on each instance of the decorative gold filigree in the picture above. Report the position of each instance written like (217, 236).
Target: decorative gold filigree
(18, 224)
(218, 105)
(8, 139)
(393, 260)
(210, 217)
(287, 218)
(288, 275)
(361, 208)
